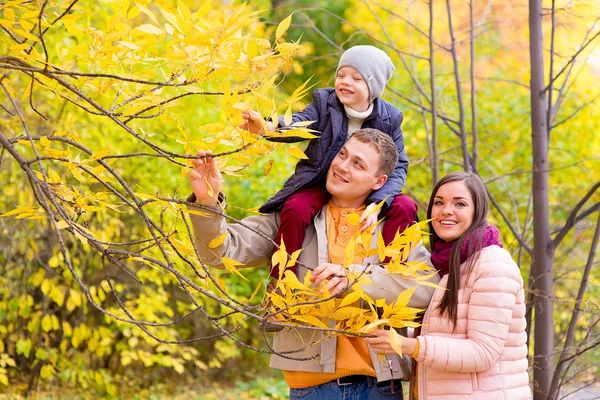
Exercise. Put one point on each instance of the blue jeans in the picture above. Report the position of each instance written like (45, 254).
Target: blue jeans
(355, 391)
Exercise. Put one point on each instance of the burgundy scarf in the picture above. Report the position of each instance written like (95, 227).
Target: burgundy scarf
(440, 254)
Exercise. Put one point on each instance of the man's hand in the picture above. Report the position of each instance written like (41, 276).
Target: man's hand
(254, 123)
(336, 275)
(206, 179)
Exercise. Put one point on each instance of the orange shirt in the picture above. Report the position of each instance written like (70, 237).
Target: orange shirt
(352, 354)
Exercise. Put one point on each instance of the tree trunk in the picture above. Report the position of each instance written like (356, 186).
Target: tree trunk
(543, 251)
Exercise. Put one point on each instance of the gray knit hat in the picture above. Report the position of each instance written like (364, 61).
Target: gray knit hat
(372, 63)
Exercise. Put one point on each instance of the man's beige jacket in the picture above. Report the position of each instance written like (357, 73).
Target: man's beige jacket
(304, 349)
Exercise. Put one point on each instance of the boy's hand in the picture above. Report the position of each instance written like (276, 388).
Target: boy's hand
(206, 179)
(368, 218)
(253, 122)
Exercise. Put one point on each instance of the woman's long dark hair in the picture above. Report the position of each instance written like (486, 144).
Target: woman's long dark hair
(449, 303)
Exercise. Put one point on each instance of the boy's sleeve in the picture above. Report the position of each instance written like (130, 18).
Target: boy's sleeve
(395, 182)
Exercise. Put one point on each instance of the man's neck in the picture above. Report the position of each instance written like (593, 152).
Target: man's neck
(345, 203)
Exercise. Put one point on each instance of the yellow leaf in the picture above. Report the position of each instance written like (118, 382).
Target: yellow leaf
(258, 287)
(280, 258)
(296, 152)
(241, 106)
(302, 133)
(404, 297)
(25, 143)
(301, 124)
(152, 29)
(100, 154)
(354, 218)
(349, 256)
(395, 341)
(9, 14)
(216, 242)
(350, 299)
(44, 141)
(231, 266)
(67, 330)
(20, 210)
(287, 117)
(53, 177)
(62, 224)
(129, 45)
(268, 167)
(373, 325)
(283, 27)
(133, 12)
(46, 286)
(293, 258)
(8, 24)
(47, 372)
(55, 153)
(346, 313)
(147, 12)
(310, 320)
(46, 323)
(26, 35)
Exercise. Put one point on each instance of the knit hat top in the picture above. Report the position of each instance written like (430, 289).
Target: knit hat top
(372, 63)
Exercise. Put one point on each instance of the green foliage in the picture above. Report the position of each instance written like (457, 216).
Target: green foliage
(52, 332)
(49, 331)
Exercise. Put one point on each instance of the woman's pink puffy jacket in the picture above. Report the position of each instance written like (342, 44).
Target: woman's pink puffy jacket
(486, 356)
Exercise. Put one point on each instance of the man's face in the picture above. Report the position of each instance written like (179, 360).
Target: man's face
(352, 175)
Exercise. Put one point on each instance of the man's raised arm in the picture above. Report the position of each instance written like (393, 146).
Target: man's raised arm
(250, 243)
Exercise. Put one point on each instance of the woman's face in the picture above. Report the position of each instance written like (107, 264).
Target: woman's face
(452, 210)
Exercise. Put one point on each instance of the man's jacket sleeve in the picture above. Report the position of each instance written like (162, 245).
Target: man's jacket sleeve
(249, 242)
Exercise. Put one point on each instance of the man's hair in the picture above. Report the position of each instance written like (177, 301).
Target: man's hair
(384, 145)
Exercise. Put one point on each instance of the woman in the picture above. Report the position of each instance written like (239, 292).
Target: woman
(472, 343)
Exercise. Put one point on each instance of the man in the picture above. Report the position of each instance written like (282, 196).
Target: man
(332, 367)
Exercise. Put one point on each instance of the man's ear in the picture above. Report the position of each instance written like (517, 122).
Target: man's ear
(381, 180)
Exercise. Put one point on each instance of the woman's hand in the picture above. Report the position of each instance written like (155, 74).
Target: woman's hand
(380, 343)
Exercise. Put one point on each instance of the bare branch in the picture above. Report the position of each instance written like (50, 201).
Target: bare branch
(576, 310)
(573, 217)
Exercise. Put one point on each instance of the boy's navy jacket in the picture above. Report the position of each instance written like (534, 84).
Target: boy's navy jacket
(332, 123)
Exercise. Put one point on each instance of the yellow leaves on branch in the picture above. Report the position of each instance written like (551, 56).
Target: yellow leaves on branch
(202, 50)
(304, 304)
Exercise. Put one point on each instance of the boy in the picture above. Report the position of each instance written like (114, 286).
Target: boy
(354, 103)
